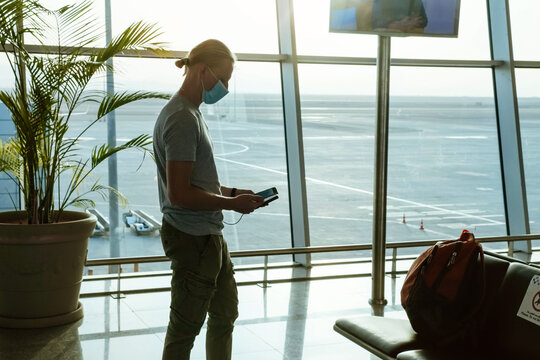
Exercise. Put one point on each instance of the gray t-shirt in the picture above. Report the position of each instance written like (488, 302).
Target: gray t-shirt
(181, 134)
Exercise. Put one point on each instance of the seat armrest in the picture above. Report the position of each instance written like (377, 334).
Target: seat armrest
(384, 337)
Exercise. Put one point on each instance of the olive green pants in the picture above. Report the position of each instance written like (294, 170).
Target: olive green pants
(202, 283)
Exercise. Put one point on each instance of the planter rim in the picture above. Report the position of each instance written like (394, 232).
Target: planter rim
(76, 225)
(68, 217)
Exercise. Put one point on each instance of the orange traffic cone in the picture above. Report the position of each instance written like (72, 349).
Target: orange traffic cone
(422, 224)
(404, 219)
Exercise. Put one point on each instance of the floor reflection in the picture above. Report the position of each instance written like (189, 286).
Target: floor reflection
(59, 342)
(287, 320)
(298, 308)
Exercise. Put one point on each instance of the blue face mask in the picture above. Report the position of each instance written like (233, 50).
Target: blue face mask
(216, 93)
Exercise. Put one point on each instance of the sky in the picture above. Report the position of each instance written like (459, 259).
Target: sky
(249, 26)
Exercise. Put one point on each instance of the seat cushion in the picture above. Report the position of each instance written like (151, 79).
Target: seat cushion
(380, 335)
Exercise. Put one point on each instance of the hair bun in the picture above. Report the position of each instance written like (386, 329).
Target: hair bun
(180, 63)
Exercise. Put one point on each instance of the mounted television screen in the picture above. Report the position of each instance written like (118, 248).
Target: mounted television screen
(395, 17)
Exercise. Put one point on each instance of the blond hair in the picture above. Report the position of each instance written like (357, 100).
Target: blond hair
(210, 52)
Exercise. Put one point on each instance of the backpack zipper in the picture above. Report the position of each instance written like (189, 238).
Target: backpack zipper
(428, 259)
(452, 259)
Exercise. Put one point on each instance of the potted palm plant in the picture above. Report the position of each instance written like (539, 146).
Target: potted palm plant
(43, 246)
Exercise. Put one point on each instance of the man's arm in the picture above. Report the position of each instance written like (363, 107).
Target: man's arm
(227, 191)
(182, 193)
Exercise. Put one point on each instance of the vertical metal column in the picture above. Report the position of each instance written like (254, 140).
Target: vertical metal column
(293, 130)
(381, 172)
(506, 105)
(114, 217)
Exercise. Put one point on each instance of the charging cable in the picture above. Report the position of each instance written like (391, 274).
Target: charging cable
(234, 222)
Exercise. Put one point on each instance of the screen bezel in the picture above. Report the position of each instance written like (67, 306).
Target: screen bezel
(398, 34)
(268, 193)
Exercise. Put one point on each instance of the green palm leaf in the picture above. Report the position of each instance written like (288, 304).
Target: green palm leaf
(112, 102)
(83, 204)
(137, 36)
(103, 152)
(78, 28)
(47, 90)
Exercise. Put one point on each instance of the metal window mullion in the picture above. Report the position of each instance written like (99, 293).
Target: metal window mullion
(506, 105)
(309, 59)
(114, 215)
(526, 64)
(380, 179)
(293, 130)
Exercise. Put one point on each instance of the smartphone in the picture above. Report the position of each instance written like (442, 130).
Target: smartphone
(269, 195)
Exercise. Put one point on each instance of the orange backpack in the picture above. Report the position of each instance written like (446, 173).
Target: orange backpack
(444, 288)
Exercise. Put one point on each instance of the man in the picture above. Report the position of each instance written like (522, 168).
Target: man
(192, 201)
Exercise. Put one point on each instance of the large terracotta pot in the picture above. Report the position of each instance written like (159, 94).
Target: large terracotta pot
(41, 268)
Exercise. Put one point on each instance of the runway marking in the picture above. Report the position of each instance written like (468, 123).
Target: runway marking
(471, 173)
(456, 217)
(478, 225)
(457, 225)
(252, 166)
(480, 137)
(370, 193)
(82, 138)
(412, 206)
(316, 217)
(446, 211)
(430, 231)
(243, 148)
(342, 137)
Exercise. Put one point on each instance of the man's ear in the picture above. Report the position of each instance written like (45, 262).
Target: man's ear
(204, 68)
(201, 70)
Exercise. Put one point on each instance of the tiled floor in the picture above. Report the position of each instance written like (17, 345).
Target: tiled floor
(284, 321)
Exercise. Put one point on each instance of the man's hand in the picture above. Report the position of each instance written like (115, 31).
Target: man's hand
(246, 202)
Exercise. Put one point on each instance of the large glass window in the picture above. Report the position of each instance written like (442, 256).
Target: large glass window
(444, 168)
(249, 144)
(524, 20)
(313, 37)
(9, 199)
(338, 118)
(244, 25)
(98, 246)
(6, 75)
(311, 19)
(97, 12)
(472, 42)
(249, 148)
(529, 113)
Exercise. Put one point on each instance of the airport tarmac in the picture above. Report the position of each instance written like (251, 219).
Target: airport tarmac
(444, 170)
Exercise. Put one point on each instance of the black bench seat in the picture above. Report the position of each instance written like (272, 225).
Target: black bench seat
(384, 337)
(501, 333)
